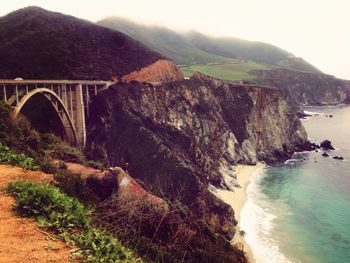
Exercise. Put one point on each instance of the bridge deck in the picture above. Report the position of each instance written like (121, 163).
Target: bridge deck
(25, 81)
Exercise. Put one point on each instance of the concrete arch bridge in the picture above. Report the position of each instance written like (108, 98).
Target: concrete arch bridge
(70, 99)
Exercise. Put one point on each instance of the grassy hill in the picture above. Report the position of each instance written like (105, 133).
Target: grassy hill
(217, 57)
(36, 43)
(227, 71)
(258, 52)
(165, 41)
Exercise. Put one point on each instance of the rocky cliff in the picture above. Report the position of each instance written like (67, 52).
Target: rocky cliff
(179, 137)
(306, 88)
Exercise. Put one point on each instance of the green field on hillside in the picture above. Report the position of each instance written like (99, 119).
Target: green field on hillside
(237, 71)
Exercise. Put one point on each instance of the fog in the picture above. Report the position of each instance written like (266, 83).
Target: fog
(318, 31)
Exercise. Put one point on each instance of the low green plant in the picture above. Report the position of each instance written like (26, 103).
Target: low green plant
(66, 215)
(100, 246)
(48, 205)
(9, 156)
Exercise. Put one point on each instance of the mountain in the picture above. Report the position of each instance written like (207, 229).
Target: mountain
(235, 59)
(249, 50)
(39, 44)
(165, 41)
(193, 47)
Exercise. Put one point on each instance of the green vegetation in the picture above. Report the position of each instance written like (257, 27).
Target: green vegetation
(95, 164)
(70, 219)
(100, 246)
(73, 185)
(236, 71)
(18, 134)
(8, 156)
(48, 206)
(168, 43)
(193, 47)
(37, 151)
(56, 148)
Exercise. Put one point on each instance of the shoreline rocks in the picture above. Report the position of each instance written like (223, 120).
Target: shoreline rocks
(327, 145)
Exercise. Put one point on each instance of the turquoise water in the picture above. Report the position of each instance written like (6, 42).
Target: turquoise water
(300, 211)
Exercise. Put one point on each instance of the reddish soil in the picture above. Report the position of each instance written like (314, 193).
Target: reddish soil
(159, 71)
(21, 239)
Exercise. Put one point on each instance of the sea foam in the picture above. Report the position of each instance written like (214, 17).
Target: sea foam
(258, 224)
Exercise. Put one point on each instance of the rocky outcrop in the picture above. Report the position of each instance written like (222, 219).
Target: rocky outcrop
(327, 145)
(116, 181)
(161, 70)
(306, 88)
(179, 137)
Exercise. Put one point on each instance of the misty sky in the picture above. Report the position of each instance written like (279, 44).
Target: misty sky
(317, 30)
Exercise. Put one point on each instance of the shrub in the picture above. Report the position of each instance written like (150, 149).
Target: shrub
(95, 165)
(47, 165)
(62, 165)
(11, 157)
(48, 140)
(67, 153)
(73, 185)
(18, 134)
(60, 150)
(48, 205)
(174, 235)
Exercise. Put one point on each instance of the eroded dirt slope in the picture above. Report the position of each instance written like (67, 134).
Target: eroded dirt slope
(21, 239)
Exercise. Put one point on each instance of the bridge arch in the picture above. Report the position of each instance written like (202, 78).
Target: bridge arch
(57, 104)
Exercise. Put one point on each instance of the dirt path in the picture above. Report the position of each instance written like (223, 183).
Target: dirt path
(20, 238)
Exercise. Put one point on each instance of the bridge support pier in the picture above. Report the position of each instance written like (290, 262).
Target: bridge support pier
(80, 115)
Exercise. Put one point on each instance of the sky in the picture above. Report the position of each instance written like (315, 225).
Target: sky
(316, 30)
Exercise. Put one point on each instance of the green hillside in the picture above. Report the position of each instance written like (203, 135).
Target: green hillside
(167, 42)
(236, 71)
(196, 51)
(258, 52)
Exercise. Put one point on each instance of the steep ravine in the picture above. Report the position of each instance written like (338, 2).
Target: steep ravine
(179, 137)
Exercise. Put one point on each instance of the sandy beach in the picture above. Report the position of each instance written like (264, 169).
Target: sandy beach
(237, 199)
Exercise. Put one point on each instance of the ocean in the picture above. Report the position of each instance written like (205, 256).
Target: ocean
(300, 211)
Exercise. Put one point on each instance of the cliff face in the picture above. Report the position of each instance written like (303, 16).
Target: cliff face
(306, 88)
(179, 137)
(161, 70)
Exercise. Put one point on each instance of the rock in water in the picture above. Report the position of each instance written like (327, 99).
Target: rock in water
(242, 233)
(338, 157)
(327, 145)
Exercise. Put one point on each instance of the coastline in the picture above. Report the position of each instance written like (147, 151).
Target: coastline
(237, 199)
